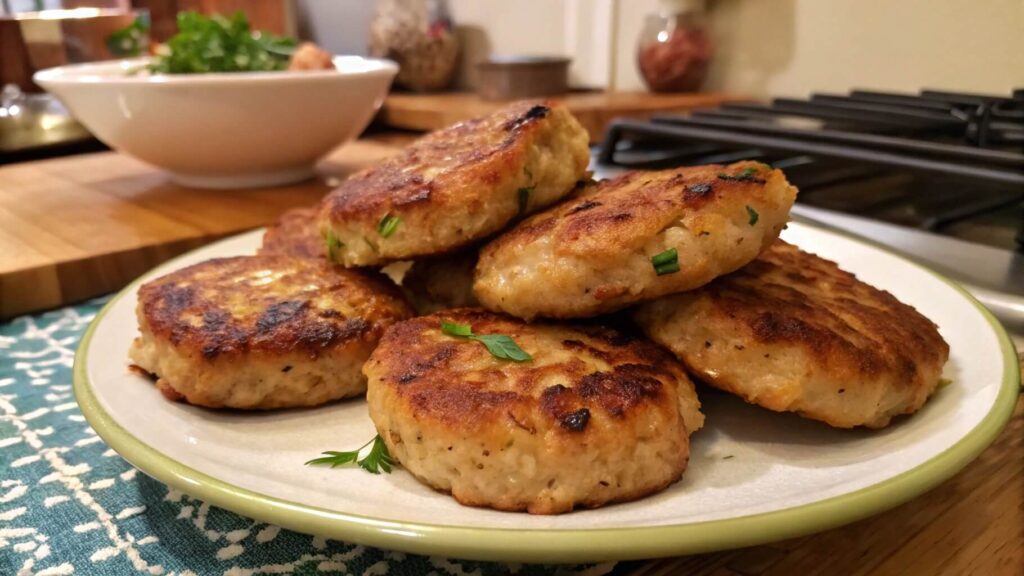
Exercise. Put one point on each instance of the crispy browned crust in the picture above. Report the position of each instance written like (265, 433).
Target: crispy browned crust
(588, 503)
(295, 233)
(792, 332)
(789, 297)
(267, 305)
(623, 213)
(457, 383)
(454, 167)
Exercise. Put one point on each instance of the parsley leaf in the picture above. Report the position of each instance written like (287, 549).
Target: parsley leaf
(377, 459)
(220, 44)
(752, 216)
(666, 263)
(333, 244)
(130, 40)
(388, 224)
(502, 346)
(499, 345)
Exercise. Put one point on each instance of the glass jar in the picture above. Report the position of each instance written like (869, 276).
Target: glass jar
(418, 35)
(674, 47)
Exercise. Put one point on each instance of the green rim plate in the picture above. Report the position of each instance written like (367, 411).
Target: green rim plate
(560, 545)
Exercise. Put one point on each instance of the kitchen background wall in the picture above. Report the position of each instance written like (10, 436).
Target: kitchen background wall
(764, 47)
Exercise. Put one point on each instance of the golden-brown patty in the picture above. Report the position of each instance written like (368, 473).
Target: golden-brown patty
(793, 332)
(594, 417)
(295, 233)
(634, 238)
(457, 185)
(262, 331)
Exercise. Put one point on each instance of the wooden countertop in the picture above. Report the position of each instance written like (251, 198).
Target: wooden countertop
(82, 226)
(77, 227)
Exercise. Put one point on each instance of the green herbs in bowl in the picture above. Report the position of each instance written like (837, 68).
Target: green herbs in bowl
(220, 44)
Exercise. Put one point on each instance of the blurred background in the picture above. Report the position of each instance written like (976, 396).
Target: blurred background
(759, 48)
(905, 117)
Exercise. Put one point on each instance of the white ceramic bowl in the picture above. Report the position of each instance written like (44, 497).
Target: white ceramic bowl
(224, 130)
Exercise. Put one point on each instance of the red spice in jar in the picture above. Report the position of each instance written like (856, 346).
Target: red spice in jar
(678, 63)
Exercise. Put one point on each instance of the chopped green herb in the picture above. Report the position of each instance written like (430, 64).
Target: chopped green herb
(943, 382)
(524, 199)
(746, 175)
(130, 40)
(666, 263)
(752, 216)
(377, 459)
(499, 345)
(220, 44)
(333, 244)
(453, 329)
(388, 224)
(729, 457)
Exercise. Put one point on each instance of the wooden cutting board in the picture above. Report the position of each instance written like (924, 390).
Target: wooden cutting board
(77, 227)
(594, 110)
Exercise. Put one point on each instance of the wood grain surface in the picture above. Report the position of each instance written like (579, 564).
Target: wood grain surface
(594, 110)
(78, 227)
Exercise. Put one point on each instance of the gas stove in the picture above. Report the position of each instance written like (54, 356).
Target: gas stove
(938, 176)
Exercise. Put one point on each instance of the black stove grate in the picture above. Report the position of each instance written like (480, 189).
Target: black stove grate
(940, 161)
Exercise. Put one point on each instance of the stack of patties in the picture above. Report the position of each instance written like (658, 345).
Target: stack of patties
(513, 391)
(506, 411)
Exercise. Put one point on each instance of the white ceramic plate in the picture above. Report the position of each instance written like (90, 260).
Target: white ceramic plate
(754, 476)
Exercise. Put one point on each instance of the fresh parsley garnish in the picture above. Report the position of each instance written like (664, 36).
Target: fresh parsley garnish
(752, 216)
(388, 224)
(377, 459)
(453, 329)
(499, 345)
(333, 244)
(130, 40)
(220, 44)
(666, 263)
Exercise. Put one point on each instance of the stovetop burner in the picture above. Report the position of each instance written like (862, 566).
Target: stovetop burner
(938, 176)
(944, 162)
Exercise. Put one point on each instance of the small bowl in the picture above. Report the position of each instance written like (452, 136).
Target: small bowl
(517, 77)
(224, 130)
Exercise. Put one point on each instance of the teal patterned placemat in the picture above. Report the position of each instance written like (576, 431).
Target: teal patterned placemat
(71, 505)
